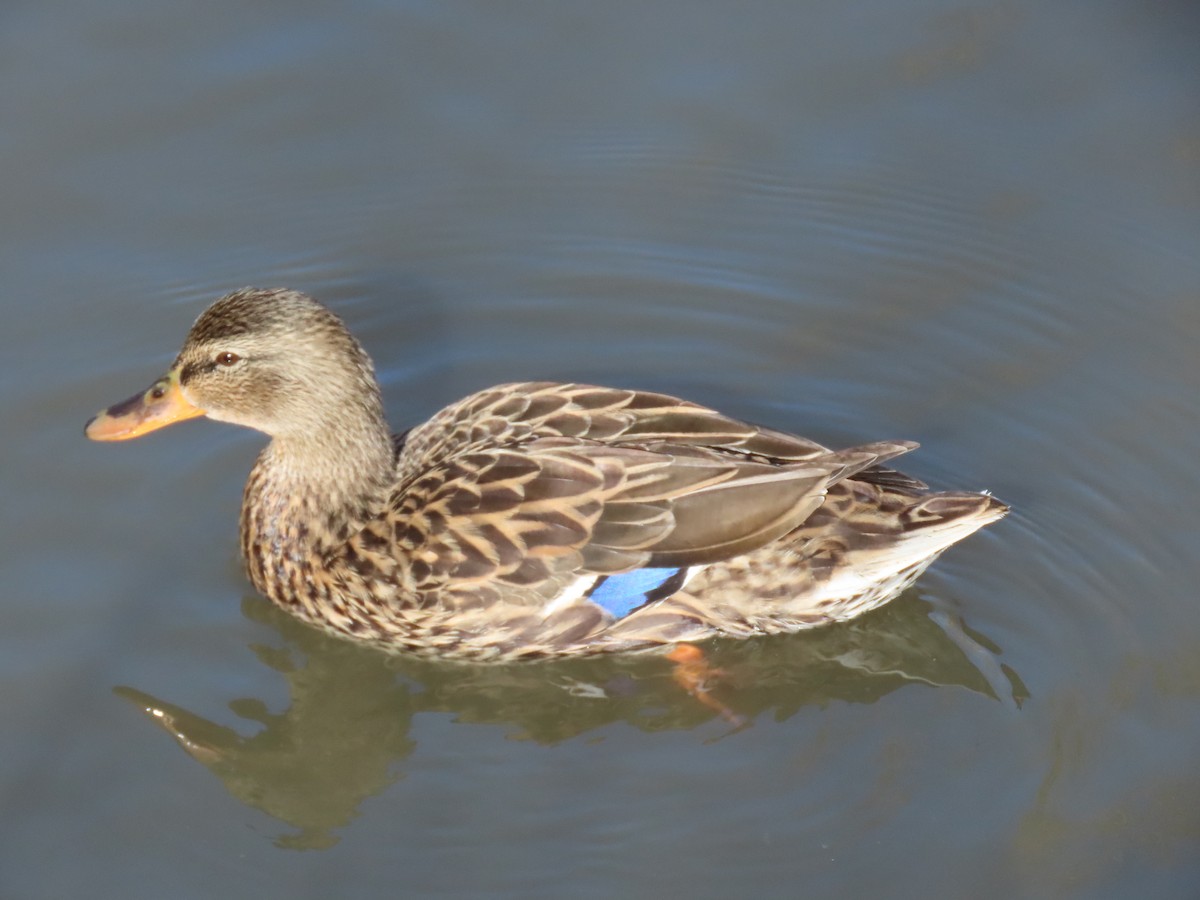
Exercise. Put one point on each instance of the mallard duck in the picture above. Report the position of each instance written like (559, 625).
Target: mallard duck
(535, 519)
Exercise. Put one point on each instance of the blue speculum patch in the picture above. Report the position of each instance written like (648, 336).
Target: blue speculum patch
(622, 594)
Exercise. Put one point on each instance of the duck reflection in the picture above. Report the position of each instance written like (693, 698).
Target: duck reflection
(347, 728)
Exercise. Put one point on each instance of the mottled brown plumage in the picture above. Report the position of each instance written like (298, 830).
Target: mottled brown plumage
(488, 531)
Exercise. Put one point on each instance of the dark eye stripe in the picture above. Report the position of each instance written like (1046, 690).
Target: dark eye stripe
(195, 368)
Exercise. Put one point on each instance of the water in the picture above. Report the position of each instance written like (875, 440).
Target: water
(974, 225)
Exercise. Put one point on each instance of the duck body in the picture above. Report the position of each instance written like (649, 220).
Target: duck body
(535, 519)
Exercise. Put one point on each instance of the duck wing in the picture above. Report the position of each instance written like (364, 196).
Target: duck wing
(516, 413)
(529, 484)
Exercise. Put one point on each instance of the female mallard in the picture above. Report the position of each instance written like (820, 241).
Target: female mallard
(535, 519)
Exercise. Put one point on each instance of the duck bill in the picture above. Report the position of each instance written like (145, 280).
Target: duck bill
(158, 406)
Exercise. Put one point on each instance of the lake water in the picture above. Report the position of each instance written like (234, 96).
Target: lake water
(976, 225)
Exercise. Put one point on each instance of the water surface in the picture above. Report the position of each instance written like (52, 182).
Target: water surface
(972, 225)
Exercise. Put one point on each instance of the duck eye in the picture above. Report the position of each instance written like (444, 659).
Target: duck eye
(227, 358)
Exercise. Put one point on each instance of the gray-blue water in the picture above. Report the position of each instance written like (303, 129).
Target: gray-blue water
(975, 225)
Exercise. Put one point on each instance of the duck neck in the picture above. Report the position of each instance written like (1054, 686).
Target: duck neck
(306, 495)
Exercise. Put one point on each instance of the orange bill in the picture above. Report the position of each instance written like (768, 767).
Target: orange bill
(160, 405)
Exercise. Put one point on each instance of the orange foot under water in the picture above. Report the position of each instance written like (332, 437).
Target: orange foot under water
(693, 673)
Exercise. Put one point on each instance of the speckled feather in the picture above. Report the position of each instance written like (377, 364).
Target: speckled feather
(481, 533)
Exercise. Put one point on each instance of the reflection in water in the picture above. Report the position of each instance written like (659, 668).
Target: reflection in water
(339, 741)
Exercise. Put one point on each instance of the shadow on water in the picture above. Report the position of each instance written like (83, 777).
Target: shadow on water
(347, 727)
